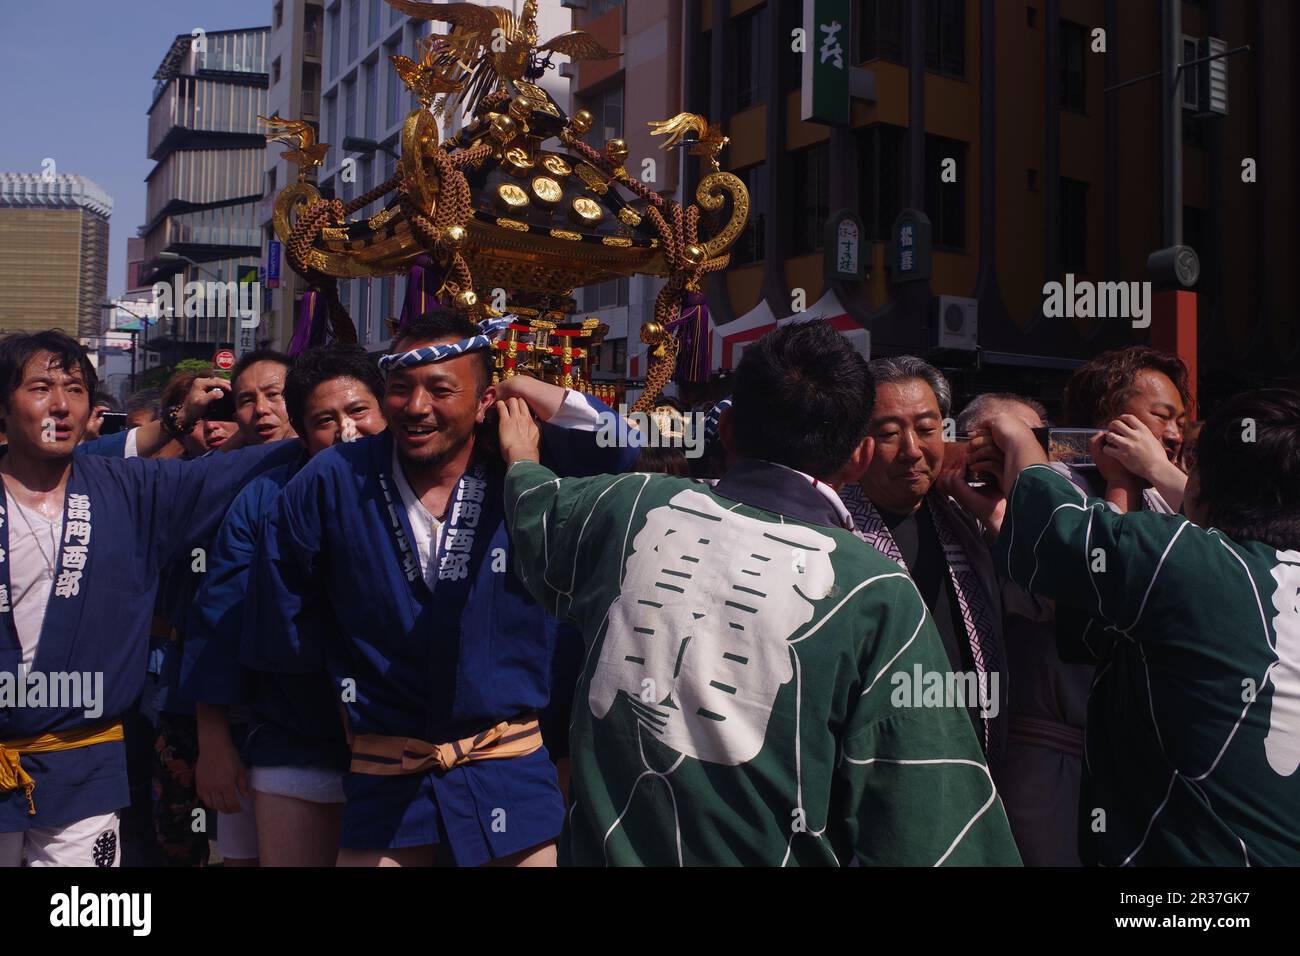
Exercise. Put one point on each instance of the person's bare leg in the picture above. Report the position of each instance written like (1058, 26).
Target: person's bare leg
(541, 855)
(403, 856)
(293, 832)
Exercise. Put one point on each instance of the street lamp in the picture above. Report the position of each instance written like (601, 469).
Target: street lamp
(359, 144)
(177, 257)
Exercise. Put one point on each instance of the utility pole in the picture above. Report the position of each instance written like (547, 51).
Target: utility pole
(1175, 268)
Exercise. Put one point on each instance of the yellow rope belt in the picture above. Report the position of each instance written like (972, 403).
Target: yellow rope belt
(14, 777)
(391, 756)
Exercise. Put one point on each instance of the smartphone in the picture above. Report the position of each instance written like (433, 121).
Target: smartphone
(974, 477)
(1068, 445)
(112, 422)
(223, 409)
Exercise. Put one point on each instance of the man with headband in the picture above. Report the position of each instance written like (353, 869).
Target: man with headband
(441, 658)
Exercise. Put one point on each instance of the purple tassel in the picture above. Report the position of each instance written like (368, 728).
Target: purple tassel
(694, 357)
(313, 321)
(422, 284)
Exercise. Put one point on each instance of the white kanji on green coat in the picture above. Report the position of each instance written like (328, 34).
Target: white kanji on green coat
(708, 603)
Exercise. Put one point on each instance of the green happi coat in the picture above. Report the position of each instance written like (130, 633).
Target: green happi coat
(736, 704)
(1193, 733)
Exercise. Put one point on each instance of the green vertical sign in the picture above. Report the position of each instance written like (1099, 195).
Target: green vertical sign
(827, 57)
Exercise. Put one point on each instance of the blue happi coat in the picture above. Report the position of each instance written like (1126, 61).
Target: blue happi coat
(123, 520)
(437, 665)
(294, 717)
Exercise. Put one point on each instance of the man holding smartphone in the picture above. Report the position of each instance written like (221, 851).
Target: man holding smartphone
(81, 544)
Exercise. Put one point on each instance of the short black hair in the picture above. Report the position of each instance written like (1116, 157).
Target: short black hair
(20, 348)
(1248, 463)
(803, 399)
(1098, 388)
(446, 324)
(146, 399)
(322, 364)
(255, 356)
(105, 400)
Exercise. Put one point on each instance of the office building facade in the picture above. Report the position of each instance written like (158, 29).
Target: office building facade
(53, 253)
(207, 181)
(995, 119)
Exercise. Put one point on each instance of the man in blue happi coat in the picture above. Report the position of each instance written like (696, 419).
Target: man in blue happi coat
(82, 539)
(441, 658)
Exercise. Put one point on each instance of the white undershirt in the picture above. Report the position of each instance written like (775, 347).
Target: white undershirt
(424, 526)
(30, 579)
(574, 413)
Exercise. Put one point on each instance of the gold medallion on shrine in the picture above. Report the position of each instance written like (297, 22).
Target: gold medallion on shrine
(585, 212)
(511, 197)
(547, 191)
(556, 166)
(516, 161)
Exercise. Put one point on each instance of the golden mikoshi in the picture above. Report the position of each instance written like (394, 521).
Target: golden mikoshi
(516, 203)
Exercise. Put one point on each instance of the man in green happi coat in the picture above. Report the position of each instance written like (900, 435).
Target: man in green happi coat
(1193, 731)
(747, 696)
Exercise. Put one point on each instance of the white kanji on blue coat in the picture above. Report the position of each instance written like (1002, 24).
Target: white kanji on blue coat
(698, 636)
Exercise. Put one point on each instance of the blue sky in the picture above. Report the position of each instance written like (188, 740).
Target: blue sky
(77, 77)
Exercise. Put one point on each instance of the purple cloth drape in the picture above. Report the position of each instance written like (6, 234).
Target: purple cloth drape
(694, 357)
(422, 284)
(313, 322)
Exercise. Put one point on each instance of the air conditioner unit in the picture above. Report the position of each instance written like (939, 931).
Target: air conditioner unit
(956, 323)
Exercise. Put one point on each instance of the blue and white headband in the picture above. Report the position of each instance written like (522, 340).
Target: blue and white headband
(489, 329)
(711, 421)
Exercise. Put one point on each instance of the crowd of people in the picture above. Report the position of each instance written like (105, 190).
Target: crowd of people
(359, 614)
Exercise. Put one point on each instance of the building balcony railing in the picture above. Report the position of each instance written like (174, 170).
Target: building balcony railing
(310, 102)
(311, 41)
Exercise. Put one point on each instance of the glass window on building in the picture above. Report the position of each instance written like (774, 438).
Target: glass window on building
(882, 177)
(1074, 225)
(945, 202)
(604, 6)
(372, 100)
(367, 179)
(751, 246)
(607, 107)
(363, 310)
(748, 70)
(349, 107)
(605, 295)
(385, 305)
(392, 106)
(945, 37)
(354, 29)
(1074, 51)
(611, 357)
(809, 197)
(372, 32)
(330, 106)
(882, 30)
(336, 32)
